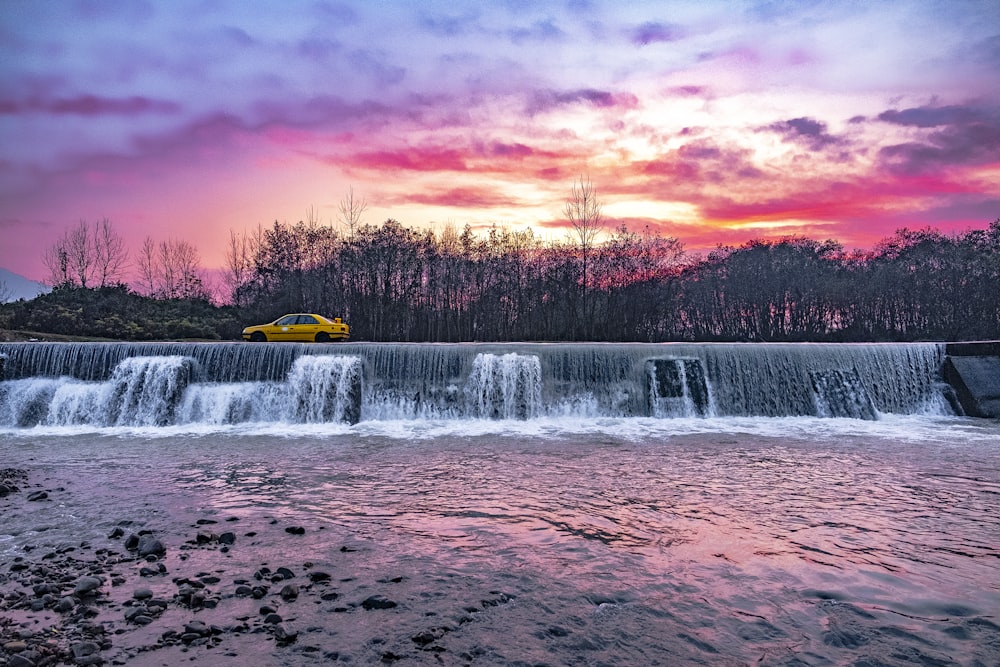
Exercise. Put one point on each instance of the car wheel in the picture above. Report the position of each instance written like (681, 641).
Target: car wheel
(322, 337)
(258, 337)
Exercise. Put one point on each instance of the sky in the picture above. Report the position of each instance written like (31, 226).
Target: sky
(713, 121)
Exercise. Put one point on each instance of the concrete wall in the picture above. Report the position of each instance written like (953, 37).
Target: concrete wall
(973, 370)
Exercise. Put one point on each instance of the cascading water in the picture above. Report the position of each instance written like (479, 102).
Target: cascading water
(507, 386)
(134, 384)
(678, 388)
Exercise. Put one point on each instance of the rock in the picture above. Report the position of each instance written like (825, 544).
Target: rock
(150, 546)
(284, 573)
(197, 627)
(15, 646)
(244, 591)
(65, 604)
(132, 542)
(295, 530)
(18, 660)
(266, 609)
(204, 537)
(205, 522)
(377, 602)
(142, 594)
(84, 649)
(87, 585)
(116, 533)
(37, 495)
(135, 612)
(289, 592)
(227, 538)
(318, 576)
(284, 635)
(272, 619)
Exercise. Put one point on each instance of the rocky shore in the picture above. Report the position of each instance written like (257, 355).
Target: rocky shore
(148, 597)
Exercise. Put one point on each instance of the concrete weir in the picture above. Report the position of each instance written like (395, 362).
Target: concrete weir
(973, 370)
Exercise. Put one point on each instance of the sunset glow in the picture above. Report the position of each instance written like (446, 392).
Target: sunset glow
(716, 122)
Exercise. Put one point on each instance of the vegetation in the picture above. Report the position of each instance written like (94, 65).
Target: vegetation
(115, 312)
(392, 283)
(395, 283)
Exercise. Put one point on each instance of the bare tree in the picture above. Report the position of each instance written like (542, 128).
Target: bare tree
(239, 266)
(56, 260)
(583, 210)
(109, 253)
(351, 211)
(170, 270)
(5, 292)
(146, 264)
(85, 254)
(80, 251)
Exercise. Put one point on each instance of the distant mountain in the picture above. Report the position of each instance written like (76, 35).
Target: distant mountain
(14, 286)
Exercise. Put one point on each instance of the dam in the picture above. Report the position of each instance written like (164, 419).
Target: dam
(162, 384)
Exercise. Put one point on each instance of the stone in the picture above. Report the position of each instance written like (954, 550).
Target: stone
(284, 635)
(284, 573)
(272, 619)
(377, 602)
(295, 530)
(37, 495)
(196, 626)
(19, 660)
(318, 576)
(142, 594)
(87, 585)
(83, 649)
(289, 592)
(244, 591)
(132, 542)
(150, 546)
(65, 604)
(228, 537)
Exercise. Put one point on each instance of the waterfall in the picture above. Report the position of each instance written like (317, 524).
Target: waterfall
(507, 386)
(841, 394)
(157, 384)
(325, 389)
(678, 388)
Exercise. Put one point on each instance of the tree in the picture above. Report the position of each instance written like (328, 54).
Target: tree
(351, 211)
(5, 292)
(87, 253)
(171, 270)
(583, 210)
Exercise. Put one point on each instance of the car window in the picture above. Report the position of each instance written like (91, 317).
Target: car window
(307, 319)
(286, 320)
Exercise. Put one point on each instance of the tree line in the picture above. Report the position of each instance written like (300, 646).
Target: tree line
(391, 282)
(394, 283)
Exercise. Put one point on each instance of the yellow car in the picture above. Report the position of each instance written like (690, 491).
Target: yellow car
(302, 327)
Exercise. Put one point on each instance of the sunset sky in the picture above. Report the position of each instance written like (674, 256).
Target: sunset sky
(712, 121)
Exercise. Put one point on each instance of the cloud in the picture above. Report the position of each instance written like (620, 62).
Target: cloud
(958, 136)
(89, 105)
(461, 197)
(547, 100)
(653, 32)
(813, 133)
(411, 159)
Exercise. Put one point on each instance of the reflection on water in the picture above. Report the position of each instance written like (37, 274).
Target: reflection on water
(719, 548)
